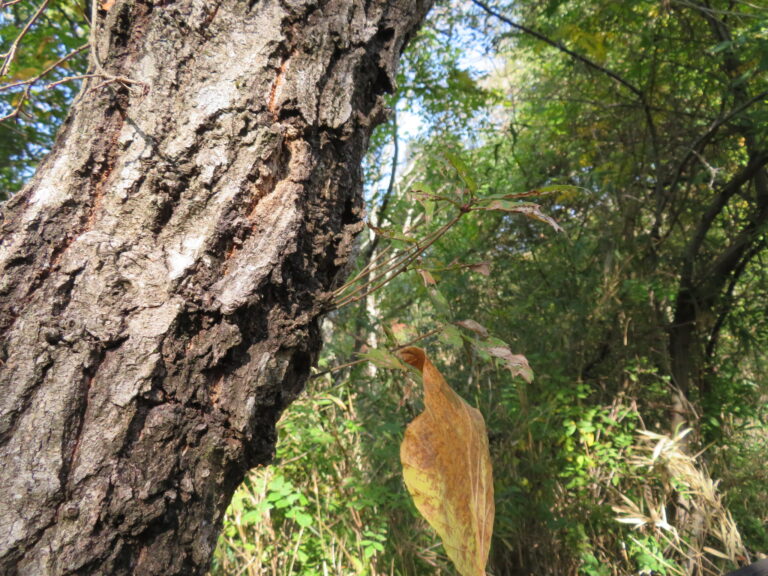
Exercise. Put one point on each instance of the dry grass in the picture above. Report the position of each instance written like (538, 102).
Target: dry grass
(681, 505)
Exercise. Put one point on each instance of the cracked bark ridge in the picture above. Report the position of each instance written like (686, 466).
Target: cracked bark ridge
(163, 273)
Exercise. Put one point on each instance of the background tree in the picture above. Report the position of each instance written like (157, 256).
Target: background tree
(164, 270)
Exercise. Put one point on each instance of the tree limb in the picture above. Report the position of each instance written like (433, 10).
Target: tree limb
(11, 54)
(555, 44)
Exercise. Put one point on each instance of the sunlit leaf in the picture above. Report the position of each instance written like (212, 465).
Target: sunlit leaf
(447, 469)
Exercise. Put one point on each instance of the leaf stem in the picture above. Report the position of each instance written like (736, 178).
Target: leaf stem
(361, 360)
(397, 267)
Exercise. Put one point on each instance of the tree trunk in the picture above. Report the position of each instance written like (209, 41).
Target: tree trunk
(163, 272)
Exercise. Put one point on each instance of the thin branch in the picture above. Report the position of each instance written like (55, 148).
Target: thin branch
(45, 72)
(706, 220)
(714, 12)
(95, 49)
(388, 266)
(555, 44)
(361, 360)
(397, 267)
(702, 140)
(390, 188)
(100, 70)
(726, 306)
(108, 79)
(729, 65)
(32, 81)
(11, 54)
(17, 109)
(372, 266)
(643, 100)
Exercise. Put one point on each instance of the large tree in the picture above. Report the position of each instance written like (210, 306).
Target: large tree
(164, 271)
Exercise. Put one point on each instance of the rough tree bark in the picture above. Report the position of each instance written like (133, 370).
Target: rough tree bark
(163, 272)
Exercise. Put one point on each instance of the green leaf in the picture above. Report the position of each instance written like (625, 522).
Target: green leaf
(461, 169)
(382, 359)
(451, 336)
(301, 517)
(440, 302)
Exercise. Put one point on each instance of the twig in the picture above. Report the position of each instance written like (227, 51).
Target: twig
(397, 267)
(640, 94)
(387, 265)
(17, 110)
(11, 54)
(361, 360)
(396, 261)
(561, 47)
(32, 81)
(702, 140)
(368, 269)
(100, 71)
(382, 212)
(50, 68)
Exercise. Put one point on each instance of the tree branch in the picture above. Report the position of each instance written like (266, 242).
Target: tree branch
(716, 206)
(390, 189)
(555, 44)
(647, 110)
(11, 54)
(32, 81)
(725, 305)
(702, 140)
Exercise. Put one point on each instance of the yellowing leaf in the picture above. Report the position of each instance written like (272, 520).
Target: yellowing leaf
(447, 469)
